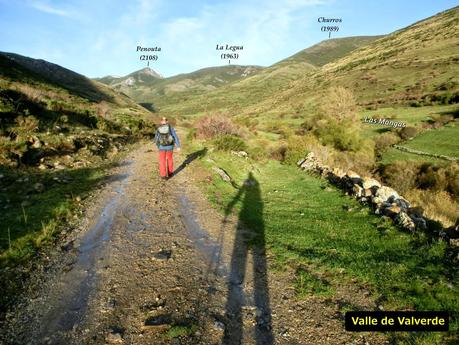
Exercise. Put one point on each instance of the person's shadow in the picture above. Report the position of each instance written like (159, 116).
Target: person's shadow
(190, 158)
(249, 237)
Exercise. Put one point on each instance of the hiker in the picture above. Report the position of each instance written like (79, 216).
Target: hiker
(166, 139)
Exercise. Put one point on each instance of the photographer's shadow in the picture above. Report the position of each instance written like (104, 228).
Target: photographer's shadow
(248, 239)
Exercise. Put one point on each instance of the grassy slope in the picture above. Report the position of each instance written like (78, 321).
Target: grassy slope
(67, 108)
(307, 222)
(160, 91)
(329, 50)
(400, 68)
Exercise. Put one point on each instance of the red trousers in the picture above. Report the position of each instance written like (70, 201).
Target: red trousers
(166, 170)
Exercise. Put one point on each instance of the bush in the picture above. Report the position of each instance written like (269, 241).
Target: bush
(401, 175)
(339, 103)
(278, 151)
(229, 143)
(408, 132)
(385, 140)
(212, 126)
(297, 148)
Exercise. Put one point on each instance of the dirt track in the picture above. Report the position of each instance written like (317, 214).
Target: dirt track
(152, 257)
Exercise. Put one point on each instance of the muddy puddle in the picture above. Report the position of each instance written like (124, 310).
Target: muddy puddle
(65, 312)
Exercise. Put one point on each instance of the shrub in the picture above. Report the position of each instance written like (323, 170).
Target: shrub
(407, 133)
(337, 123)
(437, 205)
(215, 125)
(229, 143)
(401, 175)
(340, 104)
(278, 151)
(385, 140)
(297, 148)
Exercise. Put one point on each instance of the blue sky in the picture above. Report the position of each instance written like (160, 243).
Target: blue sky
(99, 37)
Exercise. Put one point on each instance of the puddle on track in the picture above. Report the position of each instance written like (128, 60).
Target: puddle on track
(68, 310)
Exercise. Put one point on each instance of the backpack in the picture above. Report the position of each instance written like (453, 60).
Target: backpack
(165, 136)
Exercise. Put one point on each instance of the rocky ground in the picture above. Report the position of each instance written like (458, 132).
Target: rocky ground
(152, 263)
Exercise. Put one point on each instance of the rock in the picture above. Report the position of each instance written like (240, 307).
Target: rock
(377, 200)
(419, 222)
(405, 221)
(222, 173)
(219, 326)
(415, 211)
(391, 211)
(241, 154)
(39, 187)
(308, 165)
(367, 183)
(357, 190)
(163, 254)
(338, 172)
(385, 193)
(67, 246)
(367, 192)
(402, 203)
(114, 338)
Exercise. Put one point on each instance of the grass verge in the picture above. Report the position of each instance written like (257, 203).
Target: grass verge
(309, 223)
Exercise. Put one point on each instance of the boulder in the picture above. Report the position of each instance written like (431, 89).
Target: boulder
(357, 190)
(308, 165)
(376, 200)
(419, 222)
(368, 183)
(402, 203)
(367, 192)
(338, 172)
(405, 221)
(385, 193)
(225, 177)
(391, 211)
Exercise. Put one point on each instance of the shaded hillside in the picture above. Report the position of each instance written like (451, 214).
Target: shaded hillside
(41, 100)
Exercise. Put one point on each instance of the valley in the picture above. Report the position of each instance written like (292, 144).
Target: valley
(239, 245)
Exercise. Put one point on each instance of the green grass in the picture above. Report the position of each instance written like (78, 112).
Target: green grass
(442, 141)
(309, 223)
(392, 155)
(411, 116)
(180, 331)
(31, 218)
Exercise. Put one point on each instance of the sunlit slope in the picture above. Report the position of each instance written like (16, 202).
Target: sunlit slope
(415, 65)
(412, 66)
(329, 50)
(146, 86)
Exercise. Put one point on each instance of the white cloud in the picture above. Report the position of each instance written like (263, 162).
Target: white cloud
(264, 28)
(46, 8)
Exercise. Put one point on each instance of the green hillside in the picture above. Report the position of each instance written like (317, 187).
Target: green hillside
(146, 86)
(413, 66)
(327, 51)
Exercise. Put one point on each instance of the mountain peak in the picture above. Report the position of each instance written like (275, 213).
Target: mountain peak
(148, 71)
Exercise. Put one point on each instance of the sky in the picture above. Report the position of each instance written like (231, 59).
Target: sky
(100, 37)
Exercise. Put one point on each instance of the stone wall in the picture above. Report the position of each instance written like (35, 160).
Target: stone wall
(422, 153)
(383, 200)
